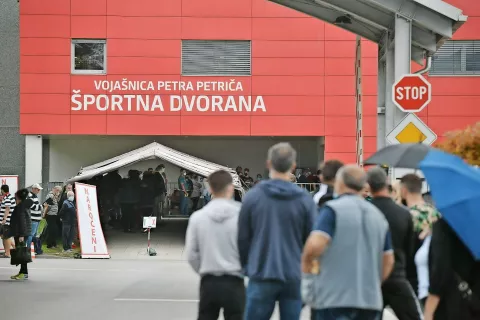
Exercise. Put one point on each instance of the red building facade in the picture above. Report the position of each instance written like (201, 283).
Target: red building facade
(302, 69)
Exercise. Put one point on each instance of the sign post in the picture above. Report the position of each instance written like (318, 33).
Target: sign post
(149, 223)
(410, 130)
(412, 93)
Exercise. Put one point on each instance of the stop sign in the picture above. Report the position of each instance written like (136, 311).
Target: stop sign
(412, 93)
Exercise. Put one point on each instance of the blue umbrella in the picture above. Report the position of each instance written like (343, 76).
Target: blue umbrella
(455, 188)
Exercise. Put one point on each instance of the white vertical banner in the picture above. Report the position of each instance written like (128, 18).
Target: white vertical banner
(92, 240)
(10, 181)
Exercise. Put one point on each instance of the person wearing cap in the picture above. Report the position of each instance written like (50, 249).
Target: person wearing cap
(36, 210)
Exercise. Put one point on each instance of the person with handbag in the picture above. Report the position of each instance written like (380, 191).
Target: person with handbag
(20, 229)
(454, 284)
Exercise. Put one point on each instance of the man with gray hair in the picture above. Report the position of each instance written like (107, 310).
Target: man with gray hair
(397, 291)
(344, 282)
(275, 220)
(68, 216)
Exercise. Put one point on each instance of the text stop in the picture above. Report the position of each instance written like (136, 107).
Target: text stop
(411, 93)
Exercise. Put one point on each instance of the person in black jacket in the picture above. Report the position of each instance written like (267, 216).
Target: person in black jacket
(160, 189)
(129, 199)
(397, 291)
(451, 267)
(68, 216)
(21, 226)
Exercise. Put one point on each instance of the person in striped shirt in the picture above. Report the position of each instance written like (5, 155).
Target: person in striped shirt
(36, 210)
(6, 209)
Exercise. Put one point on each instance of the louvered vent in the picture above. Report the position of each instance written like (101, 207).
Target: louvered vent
(457, 58)
(216, 58)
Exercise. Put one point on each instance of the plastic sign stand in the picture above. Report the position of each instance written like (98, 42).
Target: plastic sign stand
(148, 224)
(92, 240)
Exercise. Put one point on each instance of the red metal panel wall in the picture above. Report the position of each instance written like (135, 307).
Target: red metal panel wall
(303, 68)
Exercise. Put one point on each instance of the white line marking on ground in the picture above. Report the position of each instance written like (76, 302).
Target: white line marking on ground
(156, 300)
(66, 269)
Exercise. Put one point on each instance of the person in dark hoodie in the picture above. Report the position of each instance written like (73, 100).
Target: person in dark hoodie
(211, 247)
(275, 221)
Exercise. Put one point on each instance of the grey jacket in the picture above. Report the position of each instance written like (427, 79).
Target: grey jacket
(351, 267)
(211, 241)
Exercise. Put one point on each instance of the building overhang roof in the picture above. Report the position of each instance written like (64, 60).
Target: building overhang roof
(433, 21)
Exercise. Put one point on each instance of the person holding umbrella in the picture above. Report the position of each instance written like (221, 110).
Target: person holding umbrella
(454, 258)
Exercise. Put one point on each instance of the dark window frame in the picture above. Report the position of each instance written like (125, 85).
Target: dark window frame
(87, 71)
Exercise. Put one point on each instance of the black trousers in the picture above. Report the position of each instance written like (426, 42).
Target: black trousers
(128, 216)
(221, 292)
(52, 231)
(195, 203)
(399, 295)
(23, 266)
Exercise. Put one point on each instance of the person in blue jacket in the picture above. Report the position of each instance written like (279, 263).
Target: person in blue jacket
(275, 221)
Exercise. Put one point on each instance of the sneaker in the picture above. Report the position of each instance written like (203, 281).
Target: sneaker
(20, 276)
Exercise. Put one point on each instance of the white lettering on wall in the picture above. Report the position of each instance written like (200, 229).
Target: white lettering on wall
(150, 96)
(175, 103)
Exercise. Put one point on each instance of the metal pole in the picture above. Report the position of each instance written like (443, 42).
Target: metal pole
(381, 132)
(403, 50)
(389, 81)
(359, 103)
(148, 246)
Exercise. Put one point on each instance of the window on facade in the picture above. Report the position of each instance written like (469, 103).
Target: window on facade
(457, 58)
(89, 57)
(216, 58)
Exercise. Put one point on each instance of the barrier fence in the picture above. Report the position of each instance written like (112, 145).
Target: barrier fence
(171, 204)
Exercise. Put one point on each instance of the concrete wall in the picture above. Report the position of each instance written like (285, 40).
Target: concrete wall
(12, 144)
(69, 154)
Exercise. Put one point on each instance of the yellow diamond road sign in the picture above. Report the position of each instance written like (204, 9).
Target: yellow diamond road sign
(411, 130)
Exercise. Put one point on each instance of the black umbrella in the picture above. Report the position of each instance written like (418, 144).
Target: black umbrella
(405, 155)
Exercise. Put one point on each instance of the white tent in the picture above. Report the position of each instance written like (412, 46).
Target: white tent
(152, 151)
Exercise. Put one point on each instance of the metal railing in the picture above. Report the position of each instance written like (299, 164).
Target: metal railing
(310, 187)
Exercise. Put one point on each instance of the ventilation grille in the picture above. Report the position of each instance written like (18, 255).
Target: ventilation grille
(216, 58)
(457, 58)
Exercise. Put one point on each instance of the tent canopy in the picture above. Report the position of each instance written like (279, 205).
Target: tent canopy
(154, 151)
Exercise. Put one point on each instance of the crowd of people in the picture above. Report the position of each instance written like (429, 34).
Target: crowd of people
(21, 215)
(361, 244)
